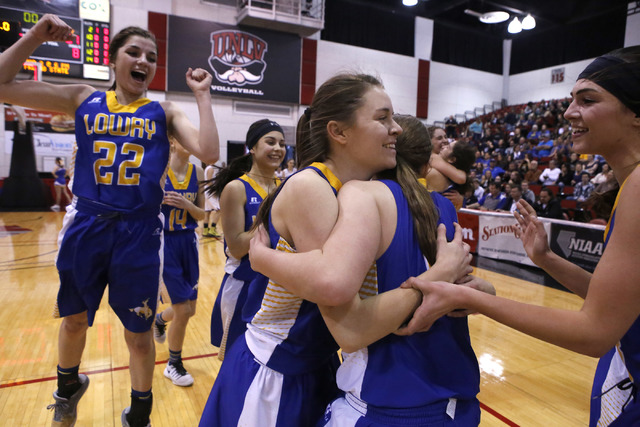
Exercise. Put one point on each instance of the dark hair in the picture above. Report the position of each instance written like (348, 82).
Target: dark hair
(413, 150)
(549, 191)
(432, 130)
(465, 156)
(121, 38)
(602, 203)
(623, 71)
(236, 167)
(336, 99)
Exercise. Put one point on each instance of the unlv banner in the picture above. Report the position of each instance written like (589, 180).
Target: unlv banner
(245, 62)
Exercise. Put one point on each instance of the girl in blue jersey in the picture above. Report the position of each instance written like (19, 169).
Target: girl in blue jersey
(182, 208)
(605, 119)
(60, 174)
(281, 371)
(241, 188)
(112, 233)
(424, 380)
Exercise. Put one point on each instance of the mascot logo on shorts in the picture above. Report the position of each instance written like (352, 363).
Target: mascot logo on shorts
(144, 311)
(237, 58)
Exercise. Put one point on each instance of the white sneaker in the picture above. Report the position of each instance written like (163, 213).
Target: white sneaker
(178, 375)
(55, 208)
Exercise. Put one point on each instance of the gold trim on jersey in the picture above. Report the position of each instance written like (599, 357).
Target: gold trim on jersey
(184, 184)
(257, 187)
(115, 107)
(613, 210)
(369, 287)
(279, 309)
(333, 180)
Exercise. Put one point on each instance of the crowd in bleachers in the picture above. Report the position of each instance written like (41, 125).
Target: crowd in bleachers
(525, 150)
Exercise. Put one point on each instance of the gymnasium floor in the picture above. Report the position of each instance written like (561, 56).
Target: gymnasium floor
(525, 382)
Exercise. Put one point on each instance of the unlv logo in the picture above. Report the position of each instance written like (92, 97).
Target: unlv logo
(237, 58)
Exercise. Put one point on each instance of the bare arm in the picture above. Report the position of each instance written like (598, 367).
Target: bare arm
(177, 200)
(448, 170)
(535, 243)
(344, 260)
(38, 94)
(232, 201)
(207, 147)
(610, 307)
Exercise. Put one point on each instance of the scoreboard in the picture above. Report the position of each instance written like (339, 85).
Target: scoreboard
(87, 56)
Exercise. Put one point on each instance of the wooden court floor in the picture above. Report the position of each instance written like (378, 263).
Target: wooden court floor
(525, 382)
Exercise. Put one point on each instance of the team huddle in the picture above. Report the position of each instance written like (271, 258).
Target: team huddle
(356, 250)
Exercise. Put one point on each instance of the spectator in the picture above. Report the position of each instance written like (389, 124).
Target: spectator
(478, 191)
(566, 176)
(493, 201)
(583, 189)
(533, 174)
(544, 131)
(527, 193)
(548, 206)
(450, 126)
(577, 173)
(550, 174)
(476, 129)
(515, 194)
(534, 134)
(291, 168)
(603, 176)
(592, 166)
(543, 149)
(494, 168)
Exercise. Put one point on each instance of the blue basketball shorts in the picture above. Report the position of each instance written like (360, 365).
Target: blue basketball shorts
(123, 251)
(181, 271)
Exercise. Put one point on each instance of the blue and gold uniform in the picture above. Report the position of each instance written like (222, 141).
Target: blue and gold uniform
(226, 318)
(281, 371)
(429, 378)
(60, 179)
(614, 393)
(120, 165)
(181, 272)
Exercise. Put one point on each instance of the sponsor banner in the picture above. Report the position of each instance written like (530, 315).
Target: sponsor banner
(469, 224)
(582, 246)
(497, 239)
(53, 133)
(245, 62)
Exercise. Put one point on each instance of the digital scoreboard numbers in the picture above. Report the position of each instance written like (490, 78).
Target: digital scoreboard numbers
(86, 56)
(9, 32)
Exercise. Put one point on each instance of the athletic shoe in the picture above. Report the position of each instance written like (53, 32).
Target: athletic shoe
(213, 232)
(178, 375)
(65, 410)
(123, 418)
(55, 208)
(159, 332)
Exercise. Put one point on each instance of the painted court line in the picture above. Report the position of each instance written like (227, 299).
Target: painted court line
(202, 356)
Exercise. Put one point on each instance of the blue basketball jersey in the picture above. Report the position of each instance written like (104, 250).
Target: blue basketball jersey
(122, 154)
(620, 363)
(417, 370)
(286, 332)
(255, 194)
(61, 176)
(176, 219)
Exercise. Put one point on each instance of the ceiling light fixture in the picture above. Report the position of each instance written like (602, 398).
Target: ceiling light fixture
(528, 22)
(489, 17)
(514, 26)
(409, 2)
